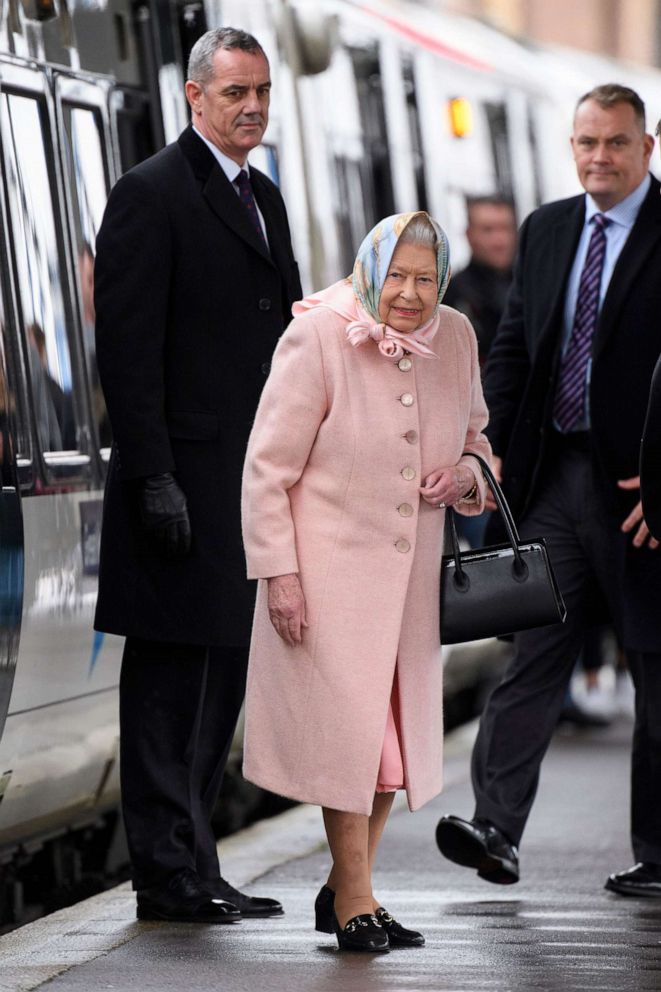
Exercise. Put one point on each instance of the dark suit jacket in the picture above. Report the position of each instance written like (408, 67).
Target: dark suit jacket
(189, 308)
(650, 457)
(521, 373)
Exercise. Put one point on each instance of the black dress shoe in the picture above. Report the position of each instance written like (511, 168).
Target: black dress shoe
(397, 934)
(644, 879)
(249, 906)
(184, 900)
(478, 844)
(361, 933)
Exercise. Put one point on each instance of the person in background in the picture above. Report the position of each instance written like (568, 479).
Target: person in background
(567, 384)
(480, 290)
(362, 438)
(194, 276)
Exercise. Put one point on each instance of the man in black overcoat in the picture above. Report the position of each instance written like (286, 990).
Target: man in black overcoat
(567, 384)
(650, 457)
(194, 281)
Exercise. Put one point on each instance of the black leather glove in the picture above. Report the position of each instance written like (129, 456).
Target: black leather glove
(165, 515)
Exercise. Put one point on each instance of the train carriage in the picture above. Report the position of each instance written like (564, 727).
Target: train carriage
(377, 107)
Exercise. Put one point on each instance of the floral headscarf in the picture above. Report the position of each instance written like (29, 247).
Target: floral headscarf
(370, 270)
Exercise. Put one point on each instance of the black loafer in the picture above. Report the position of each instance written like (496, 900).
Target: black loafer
(644, 879)
(479, 844)
(362, 933)
(398, 936)
(249, 906)
(184, 900)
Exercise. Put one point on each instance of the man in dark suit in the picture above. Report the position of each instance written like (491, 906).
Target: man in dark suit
(650, 458)
(567, 384)
(194, 281)
(650, 452)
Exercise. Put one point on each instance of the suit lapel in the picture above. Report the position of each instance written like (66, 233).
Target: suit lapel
(224, 202)
(219, 192)
(265, 202)
(644, 236)
(564, 237)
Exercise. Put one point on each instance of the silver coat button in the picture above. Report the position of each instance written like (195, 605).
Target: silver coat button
(405, 510)
(408, 473)
(411, 437)
(406, 399)
(405, 364)
(402, 545)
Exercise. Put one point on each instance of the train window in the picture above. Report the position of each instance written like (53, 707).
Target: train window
(375, 167)
(349, 209)
(497, 120)
(39, 276)
(15, 439)
(88, 188)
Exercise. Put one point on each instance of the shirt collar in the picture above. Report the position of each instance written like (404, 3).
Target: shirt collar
(624, 212)
(228, 165)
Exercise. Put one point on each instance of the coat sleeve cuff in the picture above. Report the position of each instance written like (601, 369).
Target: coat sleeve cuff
(270, 563)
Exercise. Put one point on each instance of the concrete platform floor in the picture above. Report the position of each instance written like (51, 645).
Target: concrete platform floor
(556, 930)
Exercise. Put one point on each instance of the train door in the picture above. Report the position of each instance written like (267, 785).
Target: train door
(376, 171)
(12, 556)
(88, 170)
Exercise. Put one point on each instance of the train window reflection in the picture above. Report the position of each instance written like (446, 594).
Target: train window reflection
(88, 187)
(38, 272)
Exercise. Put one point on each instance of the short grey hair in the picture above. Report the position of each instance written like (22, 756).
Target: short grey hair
(610, 94)
(200, 62)
(420, 231)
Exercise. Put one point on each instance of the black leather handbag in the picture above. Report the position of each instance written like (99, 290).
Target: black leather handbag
(489, 592)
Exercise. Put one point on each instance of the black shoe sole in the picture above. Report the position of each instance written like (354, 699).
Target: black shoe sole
(261, 914)
(630, 890)
(344, 945)
(151, 916)
(458, 846)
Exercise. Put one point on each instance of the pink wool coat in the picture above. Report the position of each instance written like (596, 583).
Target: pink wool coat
(328, 493)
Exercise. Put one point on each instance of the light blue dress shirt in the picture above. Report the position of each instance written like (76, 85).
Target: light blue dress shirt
(231, 170)
(622, 218)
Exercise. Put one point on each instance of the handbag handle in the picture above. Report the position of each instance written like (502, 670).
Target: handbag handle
(519, 567)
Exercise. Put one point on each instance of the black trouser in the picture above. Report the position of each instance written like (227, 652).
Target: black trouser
(179, 705)
(521, 714)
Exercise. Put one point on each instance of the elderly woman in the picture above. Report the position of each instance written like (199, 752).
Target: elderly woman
(358, 445)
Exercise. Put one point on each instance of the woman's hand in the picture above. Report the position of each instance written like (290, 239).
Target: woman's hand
(286, 604)
(446, 486)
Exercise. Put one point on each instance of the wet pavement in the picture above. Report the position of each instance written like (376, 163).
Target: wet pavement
(555, 930)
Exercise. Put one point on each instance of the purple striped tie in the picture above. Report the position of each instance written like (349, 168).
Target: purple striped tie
(248, 200)
(570, 393)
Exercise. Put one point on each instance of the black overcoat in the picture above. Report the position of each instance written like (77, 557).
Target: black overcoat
(521, 372)
(650, 456)
(189, 308)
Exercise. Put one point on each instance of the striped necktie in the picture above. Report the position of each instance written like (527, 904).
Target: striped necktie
(248, 200)
(569, 402)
